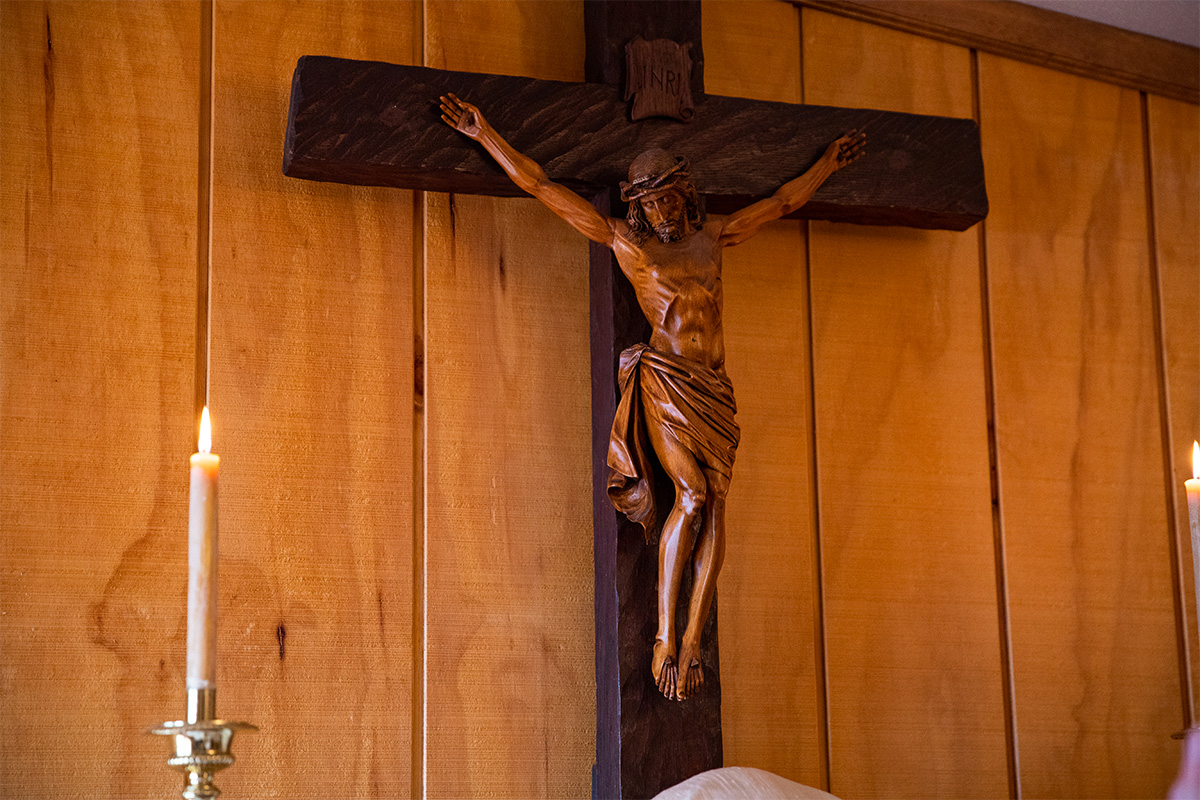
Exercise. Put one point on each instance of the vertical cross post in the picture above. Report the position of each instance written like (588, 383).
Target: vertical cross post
(644, 742)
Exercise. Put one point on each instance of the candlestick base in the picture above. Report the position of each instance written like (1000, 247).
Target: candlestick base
(201, 749)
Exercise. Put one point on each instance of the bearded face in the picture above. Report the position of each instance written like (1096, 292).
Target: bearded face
(671, 231)
(666, 212)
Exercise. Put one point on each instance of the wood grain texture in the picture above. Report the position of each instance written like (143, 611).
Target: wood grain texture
(375, 124)
(538, 38)
(1079, 438)
(97, 297)
(509, 597)
(915, 681)
(1040, 36)
(770, 668)
(771, 686)
(511, 691)
(312, 398)
(755, 47)
(1175, 182)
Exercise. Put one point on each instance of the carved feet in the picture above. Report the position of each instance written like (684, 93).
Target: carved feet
(692, 673)
(662, 666)
(666, 671)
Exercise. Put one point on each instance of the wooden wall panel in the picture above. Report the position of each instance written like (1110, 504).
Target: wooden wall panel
(770, 673)
(312, 398)
(511, 709)
(1175, 180)
(916, 703)
(532, 38)
(509, 598)
(770, 676)
(1077, 405)
(752, 49)
(1040, 36)
(97, 297)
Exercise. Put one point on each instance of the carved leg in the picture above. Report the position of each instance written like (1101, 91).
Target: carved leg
(674, 548)
(710, 554)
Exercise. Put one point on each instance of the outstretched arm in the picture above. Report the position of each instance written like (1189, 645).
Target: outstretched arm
(743, 224)
(525, 172)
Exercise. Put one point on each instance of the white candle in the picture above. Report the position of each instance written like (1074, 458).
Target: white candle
(1193, 497)
(202, 565)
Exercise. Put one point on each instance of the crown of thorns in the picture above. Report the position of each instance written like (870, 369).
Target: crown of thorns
(643, 185)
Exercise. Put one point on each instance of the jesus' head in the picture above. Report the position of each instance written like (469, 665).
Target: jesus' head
(661, 199)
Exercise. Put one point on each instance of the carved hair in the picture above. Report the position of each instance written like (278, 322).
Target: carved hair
(640, 228)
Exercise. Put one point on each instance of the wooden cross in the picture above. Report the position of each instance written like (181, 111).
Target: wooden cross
(370, 123)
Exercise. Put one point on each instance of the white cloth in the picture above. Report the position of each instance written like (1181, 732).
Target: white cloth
(735, 783)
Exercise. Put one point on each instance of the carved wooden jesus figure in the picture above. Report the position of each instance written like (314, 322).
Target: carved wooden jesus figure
(676, 401)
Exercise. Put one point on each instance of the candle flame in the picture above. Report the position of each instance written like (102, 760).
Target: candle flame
(1196, 460)
(205, 445)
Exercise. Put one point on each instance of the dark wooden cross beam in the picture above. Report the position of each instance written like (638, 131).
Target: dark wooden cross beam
(377, 124)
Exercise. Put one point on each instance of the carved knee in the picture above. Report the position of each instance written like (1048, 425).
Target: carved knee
(691, 500)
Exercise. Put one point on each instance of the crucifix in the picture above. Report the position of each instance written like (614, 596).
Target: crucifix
(378, 124)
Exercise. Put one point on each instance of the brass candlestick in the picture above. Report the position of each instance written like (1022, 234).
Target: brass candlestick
(202, 744)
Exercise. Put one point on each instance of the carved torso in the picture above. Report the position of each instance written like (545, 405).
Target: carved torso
(678, 286)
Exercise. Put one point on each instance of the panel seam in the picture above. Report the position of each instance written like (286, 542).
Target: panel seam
(420, 639)
(204, 187)
(1004, 621)
(1171, 492)
(820, 646)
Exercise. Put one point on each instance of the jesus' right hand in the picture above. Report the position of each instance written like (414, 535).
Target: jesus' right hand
(462, 116)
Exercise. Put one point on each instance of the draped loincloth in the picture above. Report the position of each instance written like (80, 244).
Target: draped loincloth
(692, 403)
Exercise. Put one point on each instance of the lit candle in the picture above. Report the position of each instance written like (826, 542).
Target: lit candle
(1193, 495)
(202, 565)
